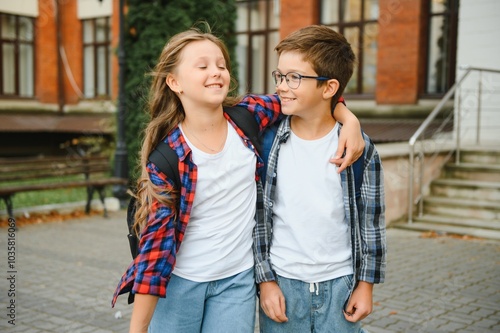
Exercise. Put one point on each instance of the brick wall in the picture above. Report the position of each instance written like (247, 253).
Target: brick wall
(72, 44)
(45, 55)
(296, 14)
(398, 51)
(115, 39)
(46, 51)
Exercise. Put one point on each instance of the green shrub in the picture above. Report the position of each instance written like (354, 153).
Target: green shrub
(149, 25)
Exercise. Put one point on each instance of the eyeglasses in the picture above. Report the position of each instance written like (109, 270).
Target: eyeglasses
(293, 79)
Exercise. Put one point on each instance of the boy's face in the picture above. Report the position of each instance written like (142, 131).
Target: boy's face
(307, 99)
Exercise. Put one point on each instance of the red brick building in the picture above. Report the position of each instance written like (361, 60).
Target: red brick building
(59, 74)
(59, 70)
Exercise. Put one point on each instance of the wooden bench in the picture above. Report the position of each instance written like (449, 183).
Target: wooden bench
(48, 173)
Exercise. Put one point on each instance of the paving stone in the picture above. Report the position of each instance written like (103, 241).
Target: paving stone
(370, 329)
(467, 320)
(452, 327)
(432, 324)
(69, 270)
(484, 312)
(486, 323)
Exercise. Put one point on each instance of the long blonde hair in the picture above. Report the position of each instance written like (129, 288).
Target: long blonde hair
(165, 112)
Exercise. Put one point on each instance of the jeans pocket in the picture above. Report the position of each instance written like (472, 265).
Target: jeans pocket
(348, 280)
(278, 280)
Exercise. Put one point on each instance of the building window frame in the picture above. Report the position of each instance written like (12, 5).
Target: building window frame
(96, 40)
(257, 33)
(17, 54)
(447, 15)
(365, 27)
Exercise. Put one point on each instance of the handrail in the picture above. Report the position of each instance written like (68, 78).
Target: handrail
(418, 133)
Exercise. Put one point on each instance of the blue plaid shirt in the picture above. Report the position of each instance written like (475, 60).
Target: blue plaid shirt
(365, 215)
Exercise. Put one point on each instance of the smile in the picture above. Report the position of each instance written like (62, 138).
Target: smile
(214, 86)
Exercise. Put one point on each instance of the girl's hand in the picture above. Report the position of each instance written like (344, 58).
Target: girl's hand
(350, 140)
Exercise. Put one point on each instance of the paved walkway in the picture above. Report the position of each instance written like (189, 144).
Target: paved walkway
(63, 275)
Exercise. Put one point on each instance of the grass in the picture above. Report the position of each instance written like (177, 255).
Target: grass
(47, 197)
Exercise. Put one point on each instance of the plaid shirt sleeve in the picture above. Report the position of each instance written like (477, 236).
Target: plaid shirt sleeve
(372, 234)
(150, 271)
(266, 108)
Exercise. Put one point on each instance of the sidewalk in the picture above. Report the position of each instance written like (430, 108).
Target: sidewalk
(64, 274)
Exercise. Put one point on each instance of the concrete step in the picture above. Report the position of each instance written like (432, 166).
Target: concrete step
(468, 208)
(472, 171)
(466, 189)
(450, 229)
(483, 156)
(465, 200)
(458, 221)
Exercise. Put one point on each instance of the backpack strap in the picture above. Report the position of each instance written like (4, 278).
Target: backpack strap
(267, 139)
(247, 123)
(358, 174)
(166, 159)
(358, 168)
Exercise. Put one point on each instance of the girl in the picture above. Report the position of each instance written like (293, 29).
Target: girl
(207, 284)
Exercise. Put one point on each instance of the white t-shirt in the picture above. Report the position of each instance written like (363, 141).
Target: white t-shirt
(310, 232)
(218, 238)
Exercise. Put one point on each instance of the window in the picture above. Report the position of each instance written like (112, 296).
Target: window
(442, 45)
(17, 67)
(257, 35)
(357, 21)
(97, 58)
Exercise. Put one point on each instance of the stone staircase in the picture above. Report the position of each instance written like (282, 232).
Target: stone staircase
(465, 199)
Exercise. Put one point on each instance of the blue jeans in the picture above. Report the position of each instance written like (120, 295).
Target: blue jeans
(226, 305)
(315, 308)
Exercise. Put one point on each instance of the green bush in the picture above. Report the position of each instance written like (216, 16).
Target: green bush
(149, 24)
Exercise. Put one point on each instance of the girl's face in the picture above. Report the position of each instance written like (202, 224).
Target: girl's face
(202, 75)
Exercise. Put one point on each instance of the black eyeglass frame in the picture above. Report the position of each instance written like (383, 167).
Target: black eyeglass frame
(276, 72)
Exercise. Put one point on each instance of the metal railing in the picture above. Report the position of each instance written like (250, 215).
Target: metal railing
(434, 129)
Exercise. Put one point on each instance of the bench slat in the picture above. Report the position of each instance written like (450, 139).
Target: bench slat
(54, 173)
(41, 166)
(9, 190)
(49, 159)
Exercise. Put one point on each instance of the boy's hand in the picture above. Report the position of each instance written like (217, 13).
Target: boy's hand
(361, 304)
(272, 301)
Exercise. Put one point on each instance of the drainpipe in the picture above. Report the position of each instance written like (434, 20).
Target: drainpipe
(60, 79)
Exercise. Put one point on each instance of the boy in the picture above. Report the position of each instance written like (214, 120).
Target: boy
(321, 247)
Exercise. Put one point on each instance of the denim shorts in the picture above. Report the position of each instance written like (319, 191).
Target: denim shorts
(221, 306)
(313, 307)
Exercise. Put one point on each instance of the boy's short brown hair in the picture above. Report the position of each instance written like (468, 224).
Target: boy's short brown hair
(326, 50)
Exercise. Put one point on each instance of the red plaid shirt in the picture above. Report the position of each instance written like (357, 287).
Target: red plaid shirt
(150, 271)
